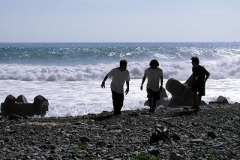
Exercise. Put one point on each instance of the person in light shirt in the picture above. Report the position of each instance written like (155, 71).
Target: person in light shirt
(154, 74)
(119, 76)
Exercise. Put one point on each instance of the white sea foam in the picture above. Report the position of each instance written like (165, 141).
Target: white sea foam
(73, 98)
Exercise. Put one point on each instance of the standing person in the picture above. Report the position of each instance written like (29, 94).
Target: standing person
(200, 76)
(154, 75)
(119, 76)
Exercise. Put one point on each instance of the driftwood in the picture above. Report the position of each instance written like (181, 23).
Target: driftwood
(178, 127)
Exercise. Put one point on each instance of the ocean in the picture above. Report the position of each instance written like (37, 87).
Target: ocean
(69, 75)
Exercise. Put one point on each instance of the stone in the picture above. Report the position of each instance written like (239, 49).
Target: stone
(40, 105)
(222, 100)
(154, 152)
(181, 94)
(100, 144)
(176, 137)
(174, 156)
(21, 99)
(154, 138)
(85, 139)
(19, 108)
(211, 134)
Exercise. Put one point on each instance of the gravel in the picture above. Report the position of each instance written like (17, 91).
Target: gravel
(211, 133)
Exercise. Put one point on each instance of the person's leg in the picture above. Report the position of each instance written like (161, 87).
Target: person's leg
(150, 104)
(150, 99)
(199, 99)
(156, 96)
(117, 102)
(195, 96)
(194, 99)
(120, 103)
(153, 105)
(201, 92)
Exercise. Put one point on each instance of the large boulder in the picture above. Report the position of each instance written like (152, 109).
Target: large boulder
(181, 93)
(19, 106)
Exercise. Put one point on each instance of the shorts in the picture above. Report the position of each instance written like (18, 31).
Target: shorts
(200, 88)
(153, 94)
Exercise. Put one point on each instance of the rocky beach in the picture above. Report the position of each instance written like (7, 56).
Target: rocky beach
(170, 133)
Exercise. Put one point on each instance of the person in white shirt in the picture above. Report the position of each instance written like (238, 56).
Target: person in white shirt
(119, 76)
(154, 75)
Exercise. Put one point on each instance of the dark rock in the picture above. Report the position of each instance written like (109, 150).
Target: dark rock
(100, 144)
(21, 99)
(181, 94)
(211, 134)
(174, 156)
(154, 152)
(154, 138)
(44, 146)
(176, 137)
(6, 140)
(21, 107)
(222, 100)
(85, 139)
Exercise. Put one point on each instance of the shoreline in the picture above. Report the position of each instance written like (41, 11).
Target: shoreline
(211, 133)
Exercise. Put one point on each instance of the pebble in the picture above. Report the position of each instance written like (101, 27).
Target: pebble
(104, 136)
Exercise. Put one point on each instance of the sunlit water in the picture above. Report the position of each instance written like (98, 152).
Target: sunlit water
(69, 75)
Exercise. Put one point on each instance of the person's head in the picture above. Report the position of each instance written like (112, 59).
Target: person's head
(154, 63)
(123, 64)
(195, 61)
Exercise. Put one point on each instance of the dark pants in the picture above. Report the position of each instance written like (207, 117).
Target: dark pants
(199, 87)
(117, 102)
(152, 98)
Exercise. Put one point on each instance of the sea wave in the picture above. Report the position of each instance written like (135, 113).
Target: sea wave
(219, 69)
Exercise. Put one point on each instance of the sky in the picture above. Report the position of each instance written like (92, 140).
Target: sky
(119, 21)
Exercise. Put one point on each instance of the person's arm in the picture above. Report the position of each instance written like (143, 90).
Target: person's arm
(127, 89)
(143, 80)
(207, 75)
(103, 82)
(161, 79)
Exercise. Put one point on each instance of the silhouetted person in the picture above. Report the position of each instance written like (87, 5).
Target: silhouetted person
(200, 76)
(154, 75)
(119, 76)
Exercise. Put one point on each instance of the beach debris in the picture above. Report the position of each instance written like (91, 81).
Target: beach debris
(161, 133)
(197, 140)
(173, 125)
(20, 107)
